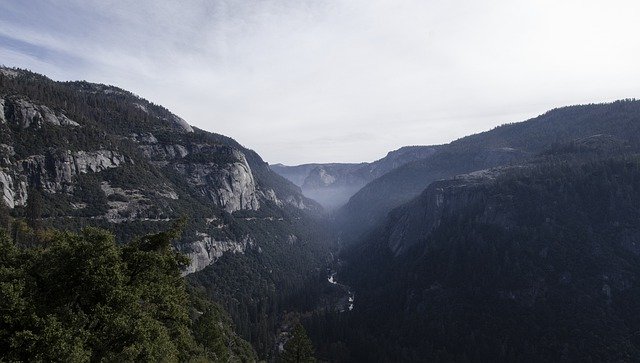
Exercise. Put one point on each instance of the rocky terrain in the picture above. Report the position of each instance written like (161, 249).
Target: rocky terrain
(213, 172)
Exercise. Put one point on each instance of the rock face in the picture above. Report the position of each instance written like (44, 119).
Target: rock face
(236, 188)
(206, 250)
(27, 114)
(232, 187)
(14, 192)
(55, 172)
(3, 119)
(182, 124)
(52, 173)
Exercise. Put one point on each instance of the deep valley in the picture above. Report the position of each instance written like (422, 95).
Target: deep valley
(119, 219)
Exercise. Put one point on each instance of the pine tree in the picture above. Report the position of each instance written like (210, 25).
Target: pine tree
(5, 216)
(34, 209)
(299, 348)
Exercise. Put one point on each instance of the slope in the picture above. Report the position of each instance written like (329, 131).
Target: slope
(511, 143)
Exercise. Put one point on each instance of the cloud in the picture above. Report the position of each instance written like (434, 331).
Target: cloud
(303, 81)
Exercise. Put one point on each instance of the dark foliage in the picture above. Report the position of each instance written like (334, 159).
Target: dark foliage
(543, 267)
(81, 297)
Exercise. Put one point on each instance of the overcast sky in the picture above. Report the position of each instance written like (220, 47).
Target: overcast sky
(318, 81)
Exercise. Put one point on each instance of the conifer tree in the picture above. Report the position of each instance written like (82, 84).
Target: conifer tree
(299, 348)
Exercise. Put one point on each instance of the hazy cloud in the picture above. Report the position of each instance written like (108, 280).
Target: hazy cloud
(302, 81)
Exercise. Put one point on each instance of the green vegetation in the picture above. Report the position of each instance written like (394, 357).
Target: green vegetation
(298, 348)
(81, 297)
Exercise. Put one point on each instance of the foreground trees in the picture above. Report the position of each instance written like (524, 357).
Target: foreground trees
(299, 348)
(81, 297)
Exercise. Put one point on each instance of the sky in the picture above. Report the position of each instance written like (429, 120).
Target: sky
(336, 81)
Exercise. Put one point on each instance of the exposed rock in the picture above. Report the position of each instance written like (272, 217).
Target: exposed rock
(3, 119)
(78, 206)
(147, 138)
(141, 107)
(168, 193)
(182, 124)
(296, 201)
(236, 188)
(129, 205)
(164, 152)
(270, 195)
(8, 72)
(230, 185)
(28, 114)
(320, 177)
(55, 172)
(7, 153)
(14, 191)
(206, 250)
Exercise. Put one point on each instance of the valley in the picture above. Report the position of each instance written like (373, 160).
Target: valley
(520, 243)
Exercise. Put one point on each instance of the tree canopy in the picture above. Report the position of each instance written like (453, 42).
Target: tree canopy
(298, 349)
(81, 297)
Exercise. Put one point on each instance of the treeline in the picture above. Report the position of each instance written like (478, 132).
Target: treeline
(81, 297)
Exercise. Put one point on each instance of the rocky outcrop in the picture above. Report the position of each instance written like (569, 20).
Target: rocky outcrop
(14, 190)
(3, 119)
(7, 154)
(54, 172)
(319, 177)
(7, 72)
(27, 114)
(414, 222)
(206, 250)
(164, 152)
(182, 124)
(235, 188)
(230, 185)
(125, 204)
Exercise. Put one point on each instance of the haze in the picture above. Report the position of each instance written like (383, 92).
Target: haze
(340, 81)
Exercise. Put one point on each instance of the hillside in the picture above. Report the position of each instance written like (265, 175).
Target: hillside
(504, 145)
(530, 262)
(333, 184)
(94, 155)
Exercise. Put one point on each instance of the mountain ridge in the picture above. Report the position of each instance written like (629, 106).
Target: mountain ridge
(96, 155)
(510, 143)
(332, 184)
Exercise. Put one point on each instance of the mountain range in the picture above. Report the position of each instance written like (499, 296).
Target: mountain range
(517, 244)
(95, 155)
(521, 243)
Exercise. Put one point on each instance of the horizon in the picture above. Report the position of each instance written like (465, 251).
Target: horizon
(304, 82)
(384, 152)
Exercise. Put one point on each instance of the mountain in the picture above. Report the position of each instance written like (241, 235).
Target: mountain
(504, 145)
(77, 154)
(333, 184)
(534, 261)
